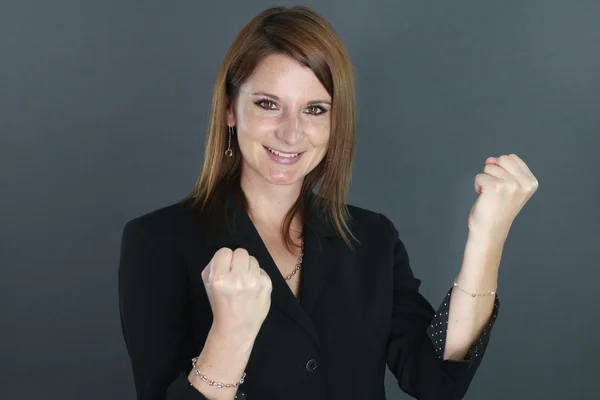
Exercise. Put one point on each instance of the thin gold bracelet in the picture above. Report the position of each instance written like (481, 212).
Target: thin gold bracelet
(213, 383)
(493, 292)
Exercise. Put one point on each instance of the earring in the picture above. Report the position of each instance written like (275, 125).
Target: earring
(229, 151)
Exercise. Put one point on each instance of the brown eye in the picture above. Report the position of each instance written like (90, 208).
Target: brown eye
(315, 110)
(267, 104)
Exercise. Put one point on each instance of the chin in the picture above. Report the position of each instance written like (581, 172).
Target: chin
(281, 175)
(287, 179)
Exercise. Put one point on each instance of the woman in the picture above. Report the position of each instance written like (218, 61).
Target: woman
(254, 287)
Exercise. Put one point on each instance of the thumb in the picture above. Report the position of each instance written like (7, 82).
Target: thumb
(207, 273)
(481, 181)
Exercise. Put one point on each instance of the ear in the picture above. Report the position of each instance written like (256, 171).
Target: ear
(229, 112)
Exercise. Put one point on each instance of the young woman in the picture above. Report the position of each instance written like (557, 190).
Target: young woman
(256, 287)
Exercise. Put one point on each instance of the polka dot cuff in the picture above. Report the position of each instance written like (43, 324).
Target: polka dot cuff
(439, 326)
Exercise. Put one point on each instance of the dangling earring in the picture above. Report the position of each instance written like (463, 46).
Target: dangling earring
(229, 151)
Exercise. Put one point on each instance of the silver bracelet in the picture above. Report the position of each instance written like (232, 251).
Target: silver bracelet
(210, 382)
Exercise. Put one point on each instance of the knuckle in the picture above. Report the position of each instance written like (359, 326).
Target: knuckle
(267, 284)
(240, 283)
(224, 250)
(220, 281)
(264, 277)
(535, 184)
(241, 253)
(511, 186)
(497, 186)
(223, 253)
(503, 158)
(488, 168)
(250, 283)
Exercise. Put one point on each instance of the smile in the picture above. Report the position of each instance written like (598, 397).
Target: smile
(283, 158)
(282, 154)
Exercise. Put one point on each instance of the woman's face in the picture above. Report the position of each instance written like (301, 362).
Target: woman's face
(283, 118)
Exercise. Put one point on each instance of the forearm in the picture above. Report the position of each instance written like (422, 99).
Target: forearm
(468, 315)
(223, 359)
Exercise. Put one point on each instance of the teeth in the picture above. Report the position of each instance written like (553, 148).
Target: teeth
(280, 154)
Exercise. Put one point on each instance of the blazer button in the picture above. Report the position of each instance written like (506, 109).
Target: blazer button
(312, 365)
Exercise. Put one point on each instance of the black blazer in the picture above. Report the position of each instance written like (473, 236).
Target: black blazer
(359, 311)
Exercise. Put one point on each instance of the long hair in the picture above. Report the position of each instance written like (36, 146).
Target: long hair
(306, 36)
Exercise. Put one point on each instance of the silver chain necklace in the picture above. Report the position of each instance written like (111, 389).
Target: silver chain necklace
(298, 263)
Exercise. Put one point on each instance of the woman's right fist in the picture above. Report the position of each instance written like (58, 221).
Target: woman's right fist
(239, 292)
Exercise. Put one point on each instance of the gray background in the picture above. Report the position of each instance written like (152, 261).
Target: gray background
(103, 112)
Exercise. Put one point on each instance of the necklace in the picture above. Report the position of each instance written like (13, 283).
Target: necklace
(298, 263)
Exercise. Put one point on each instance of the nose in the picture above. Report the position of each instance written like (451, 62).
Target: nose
(290, 130)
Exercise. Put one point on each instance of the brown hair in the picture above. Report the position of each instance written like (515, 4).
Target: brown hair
(306, 36)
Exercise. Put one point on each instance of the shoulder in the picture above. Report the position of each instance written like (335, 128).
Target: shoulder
(170, 220)
(152, 258)
(369, 223)
(375, 230)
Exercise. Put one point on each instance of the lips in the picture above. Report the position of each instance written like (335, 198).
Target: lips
(283, 158)
(283, 153)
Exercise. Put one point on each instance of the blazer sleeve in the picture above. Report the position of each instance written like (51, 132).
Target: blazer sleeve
(154, 310)
(416, 344)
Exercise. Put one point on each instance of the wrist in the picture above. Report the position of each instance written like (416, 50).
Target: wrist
(487, 238)
(234, 337)
(482, 255)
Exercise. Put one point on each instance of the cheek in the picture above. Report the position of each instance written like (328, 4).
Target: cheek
(253, 123)
(318, 132)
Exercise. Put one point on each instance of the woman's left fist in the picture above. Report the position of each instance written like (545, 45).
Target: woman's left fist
(504, 186)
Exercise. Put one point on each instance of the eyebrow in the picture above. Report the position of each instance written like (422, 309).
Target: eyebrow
(278, 99)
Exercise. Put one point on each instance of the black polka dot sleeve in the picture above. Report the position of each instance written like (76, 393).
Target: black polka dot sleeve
(439, 326)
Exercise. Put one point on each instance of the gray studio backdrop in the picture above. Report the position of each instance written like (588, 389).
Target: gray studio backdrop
(103, 113)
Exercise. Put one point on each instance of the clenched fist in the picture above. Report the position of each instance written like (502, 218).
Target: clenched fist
(504, 186)
(239, 292)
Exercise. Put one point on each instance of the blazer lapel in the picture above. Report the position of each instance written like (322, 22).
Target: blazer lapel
(322, 249)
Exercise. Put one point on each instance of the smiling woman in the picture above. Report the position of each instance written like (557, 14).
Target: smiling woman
(274, 108)
(253, 285)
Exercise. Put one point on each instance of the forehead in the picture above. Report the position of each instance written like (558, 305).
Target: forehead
(282, 75)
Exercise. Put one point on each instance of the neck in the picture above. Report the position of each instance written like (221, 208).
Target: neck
(270, 203)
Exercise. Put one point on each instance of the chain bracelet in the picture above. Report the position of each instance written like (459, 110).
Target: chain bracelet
(210, 382)
(493, 292)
